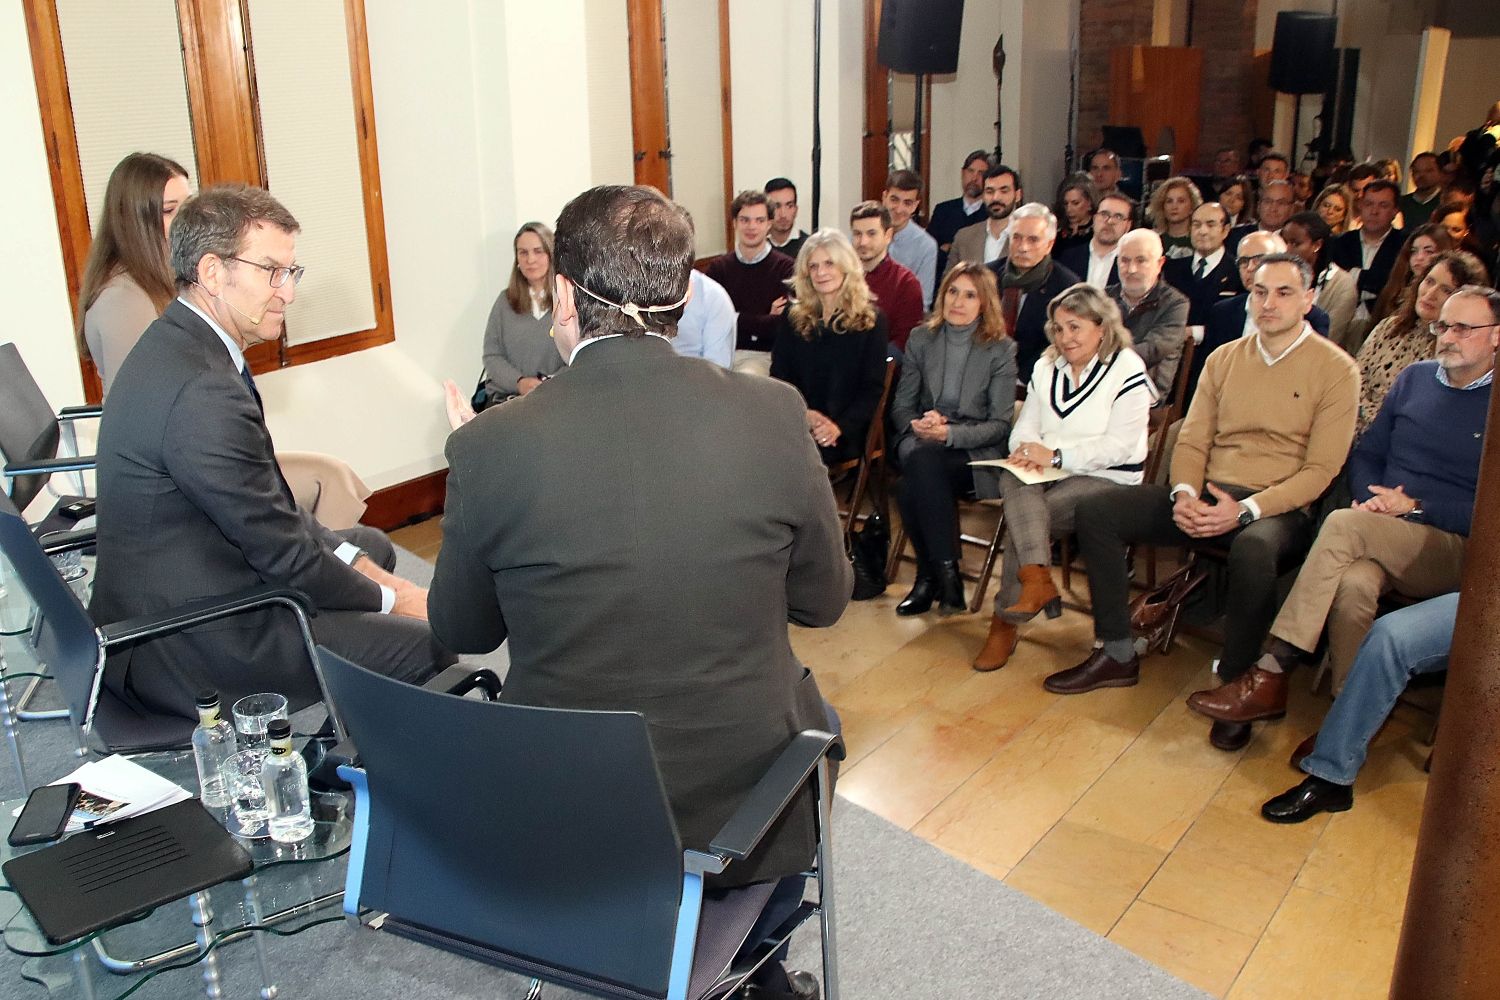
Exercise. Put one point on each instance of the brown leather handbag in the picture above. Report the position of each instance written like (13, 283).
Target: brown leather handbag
(1154, 614)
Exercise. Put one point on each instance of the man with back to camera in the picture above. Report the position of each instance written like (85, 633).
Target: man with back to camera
(1029, 279)
(910, 244)
(1096, 260)
(781, 200)
(948, 217)
(755, 277)
(1209, 276)
(1154, 312)
(895, 288)
(193, 505)
(635, 555)
(988, 240)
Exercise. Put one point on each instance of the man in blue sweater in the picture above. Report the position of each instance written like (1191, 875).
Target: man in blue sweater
(1413, 476)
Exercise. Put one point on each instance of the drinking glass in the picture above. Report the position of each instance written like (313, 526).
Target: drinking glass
(253, 714)
(248, 810)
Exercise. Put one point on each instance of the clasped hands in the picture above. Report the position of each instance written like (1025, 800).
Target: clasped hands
(411, 600)
(1390, 500)
(1201, 519)
(823, 430)
(1033, 456)
(931, 426)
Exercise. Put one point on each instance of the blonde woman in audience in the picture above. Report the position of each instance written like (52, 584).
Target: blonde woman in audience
(519, 352)
(1238, 199)
(1307, 236)
(831, 345)
(1406, 337)
(1171, 214)
(1333, 204)
(953, 405)
(1085, 414)
(127, 283)
(1421, 247)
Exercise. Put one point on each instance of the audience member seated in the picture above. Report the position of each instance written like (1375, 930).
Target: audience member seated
(1373, 248)
(755, 277)
(989, 239)
(1423, 244)
(1273, 166)
(191, 503)
(1076, 202)
(1028, 279)
(572, 515)
(1275, 204)
(1335, 205)
(1171, 213)
(127, 283)
(894, 288)
(832, 345)
(1413, 476)
(1154, 312)
(1238, 199)
(1454, 219)
(1262, 441)
(518, 350)
(1209, 276)
(1303, 189)
(1308, 236)
(1086, 414)
(911, 246)
(948, 217)
(1399, 646)
(1227, 165)
(781, 202)
(1360, 176)
(1104, 171)
(1095, 261)
(1427, 182)
(1406, 337)
(953, 405)
(707, 327)
(1233, 319)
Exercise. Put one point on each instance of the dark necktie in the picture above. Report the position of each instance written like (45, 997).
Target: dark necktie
(1201, 269)
(250, 384)
(286, 488)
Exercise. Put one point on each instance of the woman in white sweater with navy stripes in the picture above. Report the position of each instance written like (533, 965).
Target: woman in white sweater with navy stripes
(1085, 416)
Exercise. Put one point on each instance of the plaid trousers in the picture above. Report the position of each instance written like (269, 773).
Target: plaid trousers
(1033, 514)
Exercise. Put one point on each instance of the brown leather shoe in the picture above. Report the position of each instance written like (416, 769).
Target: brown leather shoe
(1038, 593)
(1098, 671)
(998, 646)
(1303, 750)
(1254, 695)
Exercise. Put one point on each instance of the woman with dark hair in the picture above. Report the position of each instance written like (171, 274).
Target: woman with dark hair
(518, 349)
(1238, 199)
(1086, 413)
(831, 345)
(1308, 236)
(1423, 244)
(1406, 337)
(127, 281)
(953, 405)
(1076, 201)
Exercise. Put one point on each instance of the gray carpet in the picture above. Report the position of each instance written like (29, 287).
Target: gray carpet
(913, 923)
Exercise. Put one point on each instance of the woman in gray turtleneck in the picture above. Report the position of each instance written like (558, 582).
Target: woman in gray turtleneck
(953, 405)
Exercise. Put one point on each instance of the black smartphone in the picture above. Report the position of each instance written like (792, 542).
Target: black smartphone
(77, 510)
(45, 815)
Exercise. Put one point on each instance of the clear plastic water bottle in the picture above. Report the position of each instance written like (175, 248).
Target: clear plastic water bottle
(213, 744)
(284, 777)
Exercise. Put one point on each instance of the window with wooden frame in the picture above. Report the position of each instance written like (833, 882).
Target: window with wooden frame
(260, 91)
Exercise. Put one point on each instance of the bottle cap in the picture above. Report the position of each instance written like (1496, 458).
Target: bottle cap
(279, 729)
(208, 698)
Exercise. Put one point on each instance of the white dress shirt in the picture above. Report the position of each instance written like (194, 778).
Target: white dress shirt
(1099, 267)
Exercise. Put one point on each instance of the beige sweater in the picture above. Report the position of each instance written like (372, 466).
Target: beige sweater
(1283, 430)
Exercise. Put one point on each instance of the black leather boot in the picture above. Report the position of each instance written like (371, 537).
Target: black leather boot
(923, 590)
(950, 589)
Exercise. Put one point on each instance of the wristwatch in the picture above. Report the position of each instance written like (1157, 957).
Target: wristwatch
(1416, 512)
(1247, 516)
(1057, 459)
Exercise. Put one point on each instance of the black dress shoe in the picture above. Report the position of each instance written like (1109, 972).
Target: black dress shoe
(950, 587)
(919, 601)
(1229, 736)
(1313, 796)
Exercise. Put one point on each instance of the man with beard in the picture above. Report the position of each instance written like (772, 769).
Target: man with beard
(950, 216)
(1096, 261)
(988, 241)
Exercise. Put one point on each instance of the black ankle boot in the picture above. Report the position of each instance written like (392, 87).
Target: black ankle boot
(950, 589)
(923, 589)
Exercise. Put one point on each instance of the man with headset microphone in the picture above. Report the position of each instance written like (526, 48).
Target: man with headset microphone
(192, 503)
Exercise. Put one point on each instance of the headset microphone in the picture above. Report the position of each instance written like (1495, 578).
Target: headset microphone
(254, 320)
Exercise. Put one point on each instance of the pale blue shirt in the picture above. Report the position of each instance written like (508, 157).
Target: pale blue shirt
(915, 250)
(707, 327)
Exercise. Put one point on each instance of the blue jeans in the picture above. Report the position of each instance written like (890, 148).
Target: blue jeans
(1400, 645)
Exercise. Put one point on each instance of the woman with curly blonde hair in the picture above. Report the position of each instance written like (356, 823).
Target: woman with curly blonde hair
(831, 345)
(1171, 214)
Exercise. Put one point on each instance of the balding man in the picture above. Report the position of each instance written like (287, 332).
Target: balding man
(1155, 312)
(1209, 276)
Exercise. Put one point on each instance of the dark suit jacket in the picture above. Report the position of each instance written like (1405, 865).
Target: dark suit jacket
(948, 217)
(1076, 259)
(1346, 252)
(841, 375)
(1226, 324)
(1237, 233)
(1222, 283)
(641, 555)
(1030, 333)
(192, 504)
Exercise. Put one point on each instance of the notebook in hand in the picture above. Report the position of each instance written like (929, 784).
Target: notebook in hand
(102, 876)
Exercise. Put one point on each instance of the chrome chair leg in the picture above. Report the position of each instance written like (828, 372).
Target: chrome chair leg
(9, 721)
(825, 876)
(203, 921)
(534, 990)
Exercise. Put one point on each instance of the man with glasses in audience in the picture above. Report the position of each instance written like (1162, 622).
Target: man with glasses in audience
(1095, 261)
(1278, 200)
(192, 503)
(1413, 474)
(1029, 279)
(1154, 312)
(989, 240)
(1209, 276)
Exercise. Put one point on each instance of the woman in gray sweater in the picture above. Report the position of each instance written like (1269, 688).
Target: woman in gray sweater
(518, 348)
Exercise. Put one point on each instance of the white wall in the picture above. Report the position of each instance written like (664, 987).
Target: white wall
(695, 118)
(963, 103)
(1471, 84)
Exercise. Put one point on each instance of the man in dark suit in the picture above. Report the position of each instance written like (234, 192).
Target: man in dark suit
(637, 550)
(1029, 279)
(1373, 248)
(193, 505)
(948, 217)
(1097, 261)
(1209, 276)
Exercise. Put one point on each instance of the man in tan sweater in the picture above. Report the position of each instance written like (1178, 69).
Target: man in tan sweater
(1267, 432)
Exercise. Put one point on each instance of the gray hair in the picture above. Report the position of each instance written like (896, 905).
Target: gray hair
(1036, 210)
(1083, 299)
(216, 221)
(1151, 237)
(1488, 294)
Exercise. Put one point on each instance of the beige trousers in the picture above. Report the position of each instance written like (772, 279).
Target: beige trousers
(325, 487)
(1358, 556)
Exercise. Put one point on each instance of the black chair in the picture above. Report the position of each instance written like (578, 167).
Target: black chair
(31, 433)
(540, 840)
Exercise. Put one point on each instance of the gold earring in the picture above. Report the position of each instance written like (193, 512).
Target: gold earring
(552, 332)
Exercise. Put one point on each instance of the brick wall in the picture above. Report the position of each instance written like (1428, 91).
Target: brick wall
(1102, 25)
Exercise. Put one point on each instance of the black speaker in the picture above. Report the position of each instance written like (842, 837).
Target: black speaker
(920, 36)
(1302, 59)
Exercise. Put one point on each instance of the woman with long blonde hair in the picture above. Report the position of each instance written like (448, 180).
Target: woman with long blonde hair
(832, 344)
(1171, 214)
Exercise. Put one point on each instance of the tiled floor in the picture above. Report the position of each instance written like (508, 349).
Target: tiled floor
(1112, 808)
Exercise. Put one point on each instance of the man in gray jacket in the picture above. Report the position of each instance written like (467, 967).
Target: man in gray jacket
(1155, 313)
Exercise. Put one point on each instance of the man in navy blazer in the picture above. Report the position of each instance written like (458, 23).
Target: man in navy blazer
(1373, 248)
(1209, 276)
(1114, 217)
